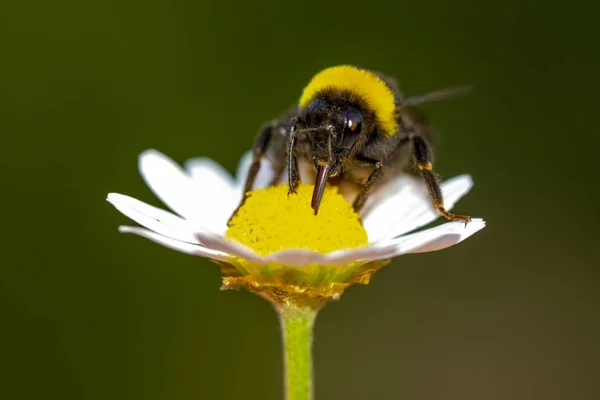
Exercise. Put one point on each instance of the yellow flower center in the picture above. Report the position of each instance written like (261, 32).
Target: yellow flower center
(271, 221)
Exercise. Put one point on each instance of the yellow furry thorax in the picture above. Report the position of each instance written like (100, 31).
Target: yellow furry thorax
(378, 96)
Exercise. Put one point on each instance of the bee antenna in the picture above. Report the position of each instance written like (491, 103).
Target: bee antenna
(437, 95)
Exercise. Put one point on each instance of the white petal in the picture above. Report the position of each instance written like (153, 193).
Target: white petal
(160, 221)
(193, 201)
(224, 245)
(365, 254)
(292, 257)
(173, 244)
(263, 178)
(410, 208)
(449, 239)
(396, 197)
(433, 239)
(298, 258)
(209, 173)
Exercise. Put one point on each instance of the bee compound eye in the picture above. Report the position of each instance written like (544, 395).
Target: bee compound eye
(353, 120)
(315, 106)
(315, 113)
(352, 126)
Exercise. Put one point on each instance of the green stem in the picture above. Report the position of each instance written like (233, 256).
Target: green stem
(297, 328)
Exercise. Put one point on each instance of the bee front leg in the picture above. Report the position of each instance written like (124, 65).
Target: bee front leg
(366, 189)
(423, 158)
(293, 175)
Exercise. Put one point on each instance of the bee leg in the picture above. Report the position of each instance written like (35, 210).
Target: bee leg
(293, 175)
(361, 197)
(258, 152)
(423, 157)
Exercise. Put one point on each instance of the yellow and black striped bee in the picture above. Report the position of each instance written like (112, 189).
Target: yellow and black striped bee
(347, 120)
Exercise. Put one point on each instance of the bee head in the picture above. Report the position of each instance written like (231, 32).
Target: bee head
(333, 131)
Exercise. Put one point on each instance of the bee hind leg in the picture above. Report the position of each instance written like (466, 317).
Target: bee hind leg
(423, 158)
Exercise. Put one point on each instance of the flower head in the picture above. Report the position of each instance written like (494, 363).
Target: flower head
(275, 246)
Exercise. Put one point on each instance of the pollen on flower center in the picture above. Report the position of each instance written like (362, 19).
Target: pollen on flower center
(271, 221)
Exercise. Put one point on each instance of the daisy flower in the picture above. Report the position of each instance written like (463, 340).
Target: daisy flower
(275, 243)
(276, 247)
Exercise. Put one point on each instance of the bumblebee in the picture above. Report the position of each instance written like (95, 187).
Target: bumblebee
(352, 125)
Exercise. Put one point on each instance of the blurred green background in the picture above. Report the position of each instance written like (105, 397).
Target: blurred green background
(90, 314)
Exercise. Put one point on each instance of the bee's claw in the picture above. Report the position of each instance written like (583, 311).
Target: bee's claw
(464, 218)
(454, 217)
